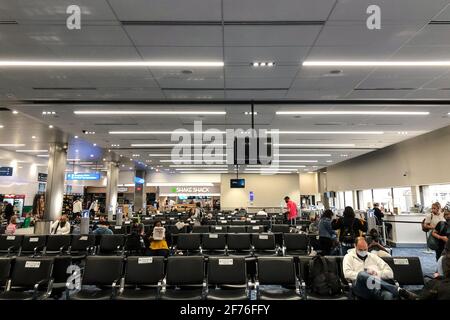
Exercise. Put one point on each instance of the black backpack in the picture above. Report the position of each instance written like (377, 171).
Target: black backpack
(323, 276)
(348, 234)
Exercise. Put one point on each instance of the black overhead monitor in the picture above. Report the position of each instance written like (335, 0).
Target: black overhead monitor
(237, 183)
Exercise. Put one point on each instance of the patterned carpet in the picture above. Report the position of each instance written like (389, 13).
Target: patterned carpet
(428, 260)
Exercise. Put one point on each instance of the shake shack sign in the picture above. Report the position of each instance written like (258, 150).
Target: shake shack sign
(190, 190)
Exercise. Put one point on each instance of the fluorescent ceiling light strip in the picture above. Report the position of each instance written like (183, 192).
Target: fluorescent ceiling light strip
(29, 151)
(191, 161)
(330, 132)
(376, 63)
(294, 161)
(180, 184)
(73, 159)
(314, 145)
(156, 145)
(42, 155)
(280, 166)
(31, 63)
(198, 166)
(198, 169)
(163, 132)
(148, 112)
(335, 113)
(303, 155)
(12, 145)
(185, 155)
(193, 172)
(267, 172)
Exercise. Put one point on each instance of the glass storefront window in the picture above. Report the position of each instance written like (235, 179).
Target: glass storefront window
(366, 201)
(403, 199)
(384, 198)
(340, 200)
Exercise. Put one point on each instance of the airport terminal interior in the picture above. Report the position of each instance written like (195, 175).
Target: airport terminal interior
(224, 150)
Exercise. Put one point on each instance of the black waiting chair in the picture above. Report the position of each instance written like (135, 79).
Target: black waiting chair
(5, 271)
(189, 243)
(200, 229)
(295, 244)
(407, 270)
(239, 244)
(118, 229)
(143, 278)
(305, 276)
(264, 244)
(219, 229)
(33, 245)
(255, 229)
(10, 244)
(105, 273)
(185, 279)
(281, 228)
(30, 279)
(214, 243)
(111, 244)
(81, 246)
(60, 274)
(236, 229)
(280, 272)
(227, 279)
(57, 244)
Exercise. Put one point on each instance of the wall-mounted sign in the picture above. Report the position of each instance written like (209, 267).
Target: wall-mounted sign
(189, 190)
(252, 196)
(83, 176)
(138, 180)
(6, 171)
(42, 177)
(122, 189)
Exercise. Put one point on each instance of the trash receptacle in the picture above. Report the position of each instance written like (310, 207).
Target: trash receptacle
(42, 227)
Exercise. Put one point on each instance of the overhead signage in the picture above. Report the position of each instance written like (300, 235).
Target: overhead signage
(252, 196)
(83, 176)
(122, 189)
(190, 190)
(6, 171)
(42, 177)
(138, 180)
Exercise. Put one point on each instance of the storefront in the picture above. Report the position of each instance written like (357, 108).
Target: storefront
(185, 197)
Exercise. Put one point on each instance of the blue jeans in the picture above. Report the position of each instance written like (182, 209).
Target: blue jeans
(368, 287)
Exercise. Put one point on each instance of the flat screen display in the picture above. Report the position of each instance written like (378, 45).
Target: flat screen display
(237, 183)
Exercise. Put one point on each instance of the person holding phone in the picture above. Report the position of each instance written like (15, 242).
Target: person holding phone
(158, 243)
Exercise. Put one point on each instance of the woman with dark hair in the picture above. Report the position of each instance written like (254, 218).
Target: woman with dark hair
(158, 243)
(135, 240)
(349, 229)
(326, 232)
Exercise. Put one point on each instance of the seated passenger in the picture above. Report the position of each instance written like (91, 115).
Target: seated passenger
(158, 243)
(61, 226)
(440, 262)
(12, 226)
(103, 228)
(375, 246)
(135, 240)
(439, 288)
(326, 233)
(262, 213)
(369, 273)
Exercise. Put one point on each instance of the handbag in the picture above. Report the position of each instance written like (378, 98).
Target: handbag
(432, 242)
(423, 225)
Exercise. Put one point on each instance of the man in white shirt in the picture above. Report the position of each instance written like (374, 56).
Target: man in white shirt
(369, 273)
(61, 226)
(77, 208)
(262, 213)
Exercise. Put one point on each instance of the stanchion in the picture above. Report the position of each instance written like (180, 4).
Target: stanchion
(428, 250)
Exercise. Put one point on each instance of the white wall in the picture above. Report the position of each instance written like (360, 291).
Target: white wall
(185, 178)
(309, 183)
(421, 160)
(269, 190)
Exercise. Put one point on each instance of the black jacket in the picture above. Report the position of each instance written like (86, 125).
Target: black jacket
(342, 223)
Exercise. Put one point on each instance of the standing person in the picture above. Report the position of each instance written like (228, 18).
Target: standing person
(292, 212)
(349, 229)
(326, 232)
(77, 207)
(12, 226)
(9, 210)
(61, 226)
(441, 232)
(198, 211)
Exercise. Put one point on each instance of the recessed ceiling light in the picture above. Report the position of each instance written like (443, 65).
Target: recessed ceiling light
(76, 150)
(1, 126)
(33, 137)
(329, 161)
(247, 113)
(91, 155)
(402, 132)
(76, 137)
(15, 112)
(147, 112)
(50, 126)
(104, 159)
(84, 64)
(42, 155)
(376, 63)
(94, 144)
(335, 113)
(344, 155)
(123, 165)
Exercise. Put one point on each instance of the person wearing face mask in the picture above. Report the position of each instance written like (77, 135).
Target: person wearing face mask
(441, 231)
(369, 273)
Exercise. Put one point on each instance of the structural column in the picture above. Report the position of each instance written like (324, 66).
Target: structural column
(54, 195)
(112, 180)
(139, 190)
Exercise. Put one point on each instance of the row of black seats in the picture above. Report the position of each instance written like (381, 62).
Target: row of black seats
(241, 244)
(184, 278)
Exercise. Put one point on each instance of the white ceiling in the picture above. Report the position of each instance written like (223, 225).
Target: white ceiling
(237, 32)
